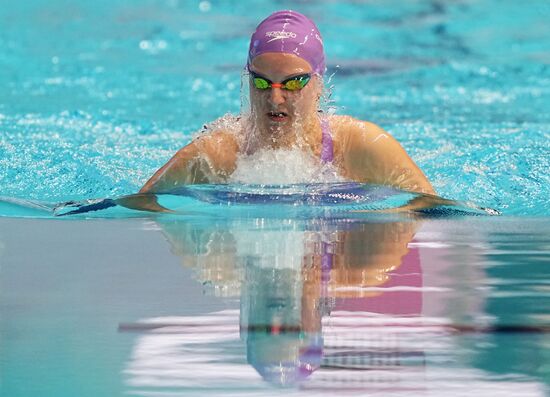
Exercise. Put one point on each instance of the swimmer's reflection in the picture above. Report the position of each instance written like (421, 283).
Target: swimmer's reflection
(281, 328)
(291, 274)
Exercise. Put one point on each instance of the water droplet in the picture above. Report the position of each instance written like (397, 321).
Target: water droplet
(197, 84)
(205, 6)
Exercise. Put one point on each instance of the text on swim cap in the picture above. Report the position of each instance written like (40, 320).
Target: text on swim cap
(278, 35)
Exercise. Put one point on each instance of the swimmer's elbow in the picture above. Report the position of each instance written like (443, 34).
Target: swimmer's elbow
(425, 189)
(209, 159)
(429, 189)
(153, 185)
(147, 188)
(421, 185)
(171, 173)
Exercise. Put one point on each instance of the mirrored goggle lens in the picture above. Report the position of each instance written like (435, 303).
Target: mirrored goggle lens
(296, 83)
(292, 84)
(260, 83)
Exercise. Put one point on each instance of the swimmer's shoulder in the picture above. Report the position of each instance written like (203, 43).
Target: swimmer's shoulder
(368, 153)
(224, 132)
(220, 148)
(217, 143)
(348, 131)
(217, 140)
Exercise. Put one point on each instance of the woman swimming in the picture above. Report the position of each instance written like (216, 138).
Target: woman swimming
(286, 63)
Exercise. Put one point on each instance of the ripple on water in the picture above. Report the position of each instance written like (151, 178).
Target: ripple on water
(74, 155)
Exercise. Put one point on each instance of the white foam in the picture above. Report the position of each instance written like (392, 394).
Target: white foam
(272, 166)
(283, 166)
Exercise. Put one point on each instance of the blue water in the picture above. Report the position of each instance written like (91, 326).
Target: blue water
(95, 96)
(234, 306)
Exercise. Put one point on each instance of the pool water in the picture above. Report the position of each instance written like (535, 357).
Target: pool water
(95, 96)
(209, 306)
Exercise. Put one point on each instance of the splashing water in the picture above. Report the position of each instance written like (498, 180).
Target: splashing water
(283, 166)
(97, 116)
(293, 165)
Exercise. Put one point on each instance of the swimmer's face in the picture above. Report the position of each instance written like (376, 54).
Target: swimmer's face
(277, 107)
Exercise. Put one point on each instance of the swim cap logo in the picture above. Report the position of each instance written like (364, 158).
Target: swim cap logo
(280, 35)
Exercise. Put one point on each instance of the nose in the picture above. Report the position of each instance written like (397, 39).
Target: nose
(277, 96)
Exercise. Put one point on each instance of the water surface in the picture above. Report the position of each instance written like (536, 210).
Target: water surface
(246, 306)
(95, 96)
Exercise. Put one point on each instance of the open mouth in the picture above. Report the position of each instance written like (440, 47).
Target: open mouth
(277, 116)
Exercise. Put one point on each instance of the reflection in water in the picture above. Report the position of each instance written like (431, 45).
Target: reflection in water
(324, 305)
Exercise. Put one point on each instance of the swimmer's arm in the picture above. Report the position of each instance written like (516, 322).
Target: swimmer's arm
(372, 155)
(178, 170)
(183, 168)
(208, 159)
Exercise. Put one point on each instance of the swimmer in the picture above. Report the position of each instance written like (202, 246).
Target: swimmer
(286, 63)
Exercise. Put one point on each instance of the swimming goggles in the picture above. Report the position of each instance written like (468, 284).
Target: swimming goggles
(291, 84)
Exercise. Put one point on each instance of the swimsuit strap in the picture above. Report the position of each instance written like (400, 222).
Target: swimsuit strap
(327, 147)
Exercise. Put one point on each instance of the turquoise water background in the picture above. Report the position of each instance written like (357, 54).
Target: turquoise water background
(95, 96)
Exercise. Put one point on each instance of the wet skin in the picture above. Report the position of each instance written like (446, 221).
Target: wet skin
(280, 118)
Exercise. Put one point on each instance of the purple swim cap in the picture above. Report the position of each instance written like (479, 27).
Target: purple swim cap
(289, 32)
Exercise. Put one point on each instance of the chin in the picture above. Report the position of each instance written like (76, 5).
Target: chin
(280, 128)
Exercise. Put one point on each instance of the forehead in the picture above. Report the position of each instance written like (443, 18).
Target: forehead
(278, 65)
